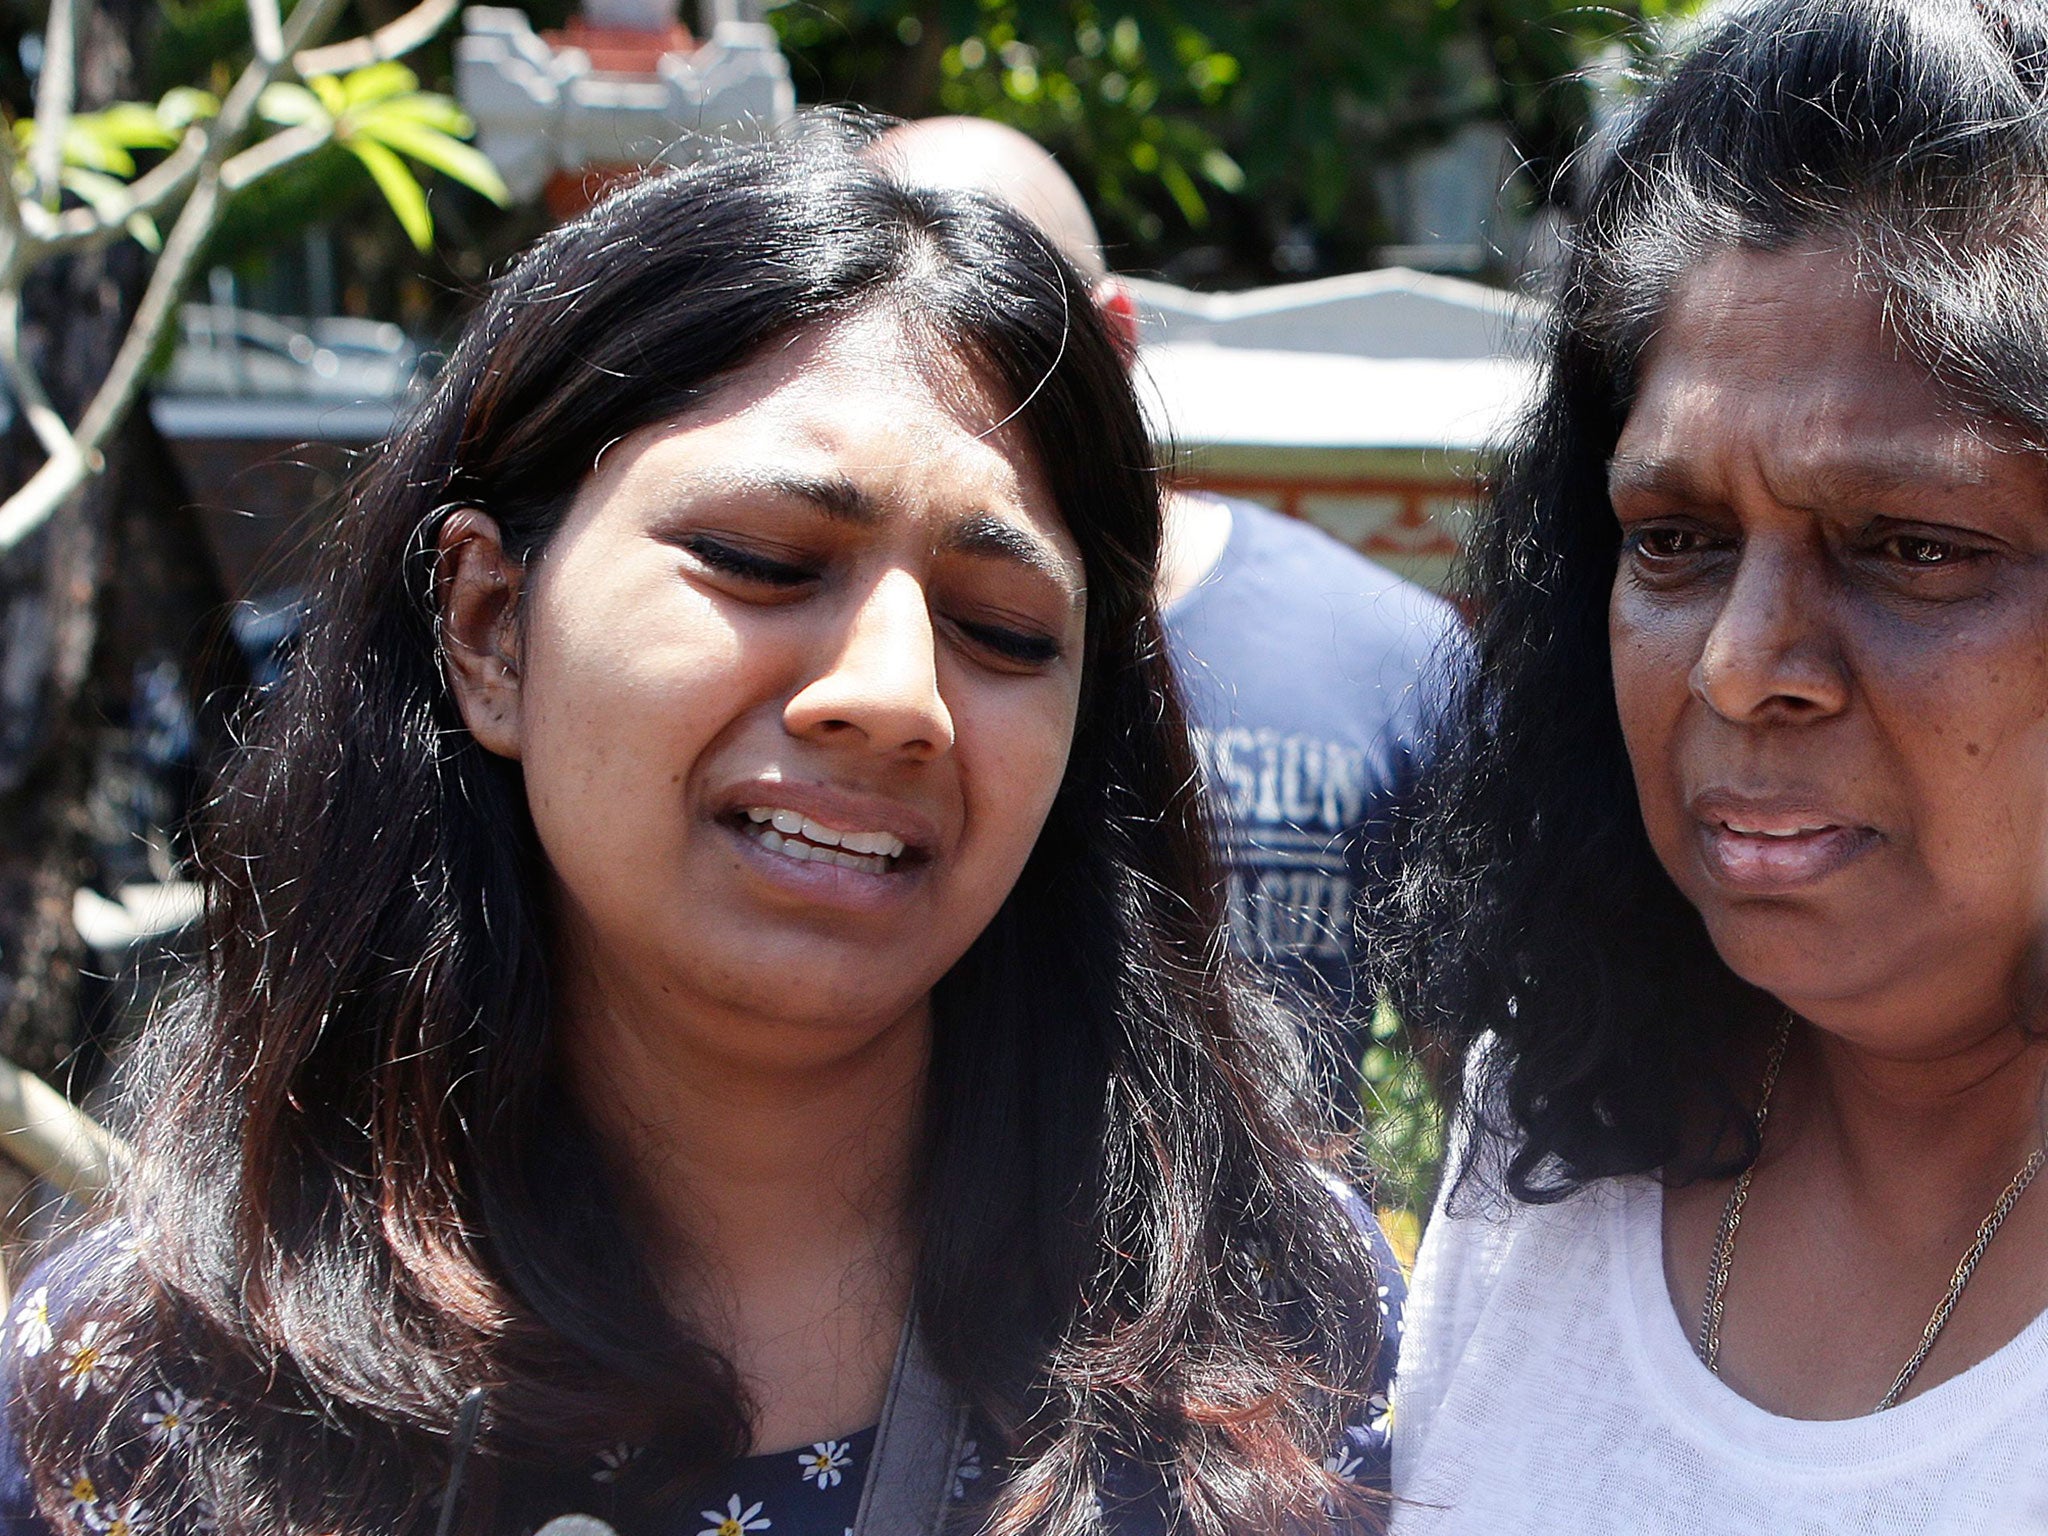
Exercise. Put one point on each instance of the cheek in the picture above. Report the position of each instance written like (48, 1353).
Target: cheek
(612, 719)
(1013, 758)
(1652, 652)
(1971, 732)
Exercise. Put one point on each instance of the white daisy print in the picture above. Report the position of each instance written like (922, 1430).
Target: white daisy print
(1379, 1414)
(1342, 1463)
(735, 1521)
(968, 1470)
(32, 1333)
(170, 1421)
(825, 1462)
(111, 1519)
(613, 1461)
(82, 1496)
(90, 1360)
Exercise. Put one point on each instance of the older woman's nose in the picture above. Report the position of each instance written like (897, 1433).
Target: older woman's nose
(880, 679)
(1771, 655)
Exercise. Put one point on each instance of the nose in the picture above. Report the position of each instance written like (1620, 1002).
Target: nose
(880, 681)
(1772, 655)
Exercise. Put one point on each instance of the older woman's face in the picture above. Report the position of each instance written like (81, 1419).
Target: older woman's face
(796, 684)
(1830, 642)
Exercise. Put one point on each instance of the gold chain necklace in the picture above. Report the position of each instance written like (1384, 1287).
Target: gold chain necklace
(1723, 1258)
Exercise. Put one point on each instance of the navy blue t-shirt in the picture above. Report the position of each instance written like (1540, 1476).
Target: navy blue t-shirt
(1309, 676)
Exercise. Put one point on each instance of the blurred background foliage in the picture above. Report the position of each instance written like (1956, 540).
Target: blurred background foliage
(1221, 143)
(1224, 143)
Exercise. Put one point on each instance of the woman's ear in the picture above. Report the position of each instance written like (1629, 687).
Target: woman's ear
(477, 585)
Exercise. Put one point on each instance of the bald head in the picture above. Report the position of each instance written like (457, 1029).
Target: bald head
(971, 154)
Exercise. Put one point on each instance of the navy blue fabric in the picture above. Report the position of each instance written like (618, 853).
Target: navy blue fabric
(811, 1492)
(1308, 676)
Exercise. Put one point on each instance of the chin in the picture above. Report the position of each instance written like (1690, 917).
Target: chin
(1792, 961)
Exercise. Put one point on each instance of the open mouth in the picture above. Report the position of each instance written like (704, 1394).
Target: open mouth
(810, 841)
(1782, 833)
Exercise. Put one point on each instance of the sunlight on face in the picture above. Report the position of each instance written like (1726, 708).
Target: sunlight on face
(800, 673)
(1830, 642)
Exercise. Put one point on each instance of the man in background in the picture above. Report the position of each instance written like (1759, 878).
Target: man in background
(1304, 665)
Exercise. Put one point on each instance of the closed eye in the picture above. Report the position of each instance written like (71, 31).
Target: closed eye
(746, 564)
(1012, 645)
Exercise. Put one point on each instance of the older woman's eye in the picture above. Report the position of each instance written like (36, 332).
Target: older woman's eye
(746, 564)
(1922, 552)
(1664, 542)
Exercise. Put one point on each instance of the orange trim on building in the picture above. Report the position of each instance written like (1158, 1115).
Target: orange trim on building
(1411, 531)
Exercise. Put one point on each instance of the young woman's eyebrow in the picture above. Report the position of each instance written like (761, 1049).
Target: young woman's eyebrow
(988, 537)
(838, 497)
(981, 535)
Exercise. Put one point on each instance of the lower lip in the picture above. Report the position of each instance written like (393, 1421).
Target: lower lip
(1768, 865)
(825, 884)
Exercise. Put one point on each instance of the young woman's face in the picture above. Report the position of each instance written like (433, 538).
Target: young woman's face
(1830, 643)
(795, 685)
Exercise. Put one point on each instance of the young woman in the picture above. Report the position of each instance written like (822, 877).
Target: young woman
(710, 954)
(1734, 890)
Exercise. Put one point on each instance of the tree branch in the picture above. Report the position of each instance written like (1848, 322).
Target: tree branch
(44, 419)
(273, 153)
(63, 473)
(266, 30)
(393, 40)
(40, 1130)
(116, 393)
(152, 193)
(56, 82)
(159, 188)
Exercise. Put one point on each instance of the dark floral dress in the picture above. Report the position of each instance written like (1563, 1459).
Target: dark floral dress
(811, 1491)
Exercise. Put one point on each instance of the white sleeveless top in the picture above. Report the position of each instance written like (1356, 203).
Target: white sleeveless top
(1546, 1385)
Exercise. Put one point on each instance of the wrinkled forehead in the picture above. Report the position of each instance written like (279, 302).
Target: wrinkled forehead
(1792, 360)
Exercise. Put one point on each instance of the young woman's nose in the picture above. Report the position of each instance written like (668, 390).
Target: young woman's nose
(879, 676)
(1771, 655)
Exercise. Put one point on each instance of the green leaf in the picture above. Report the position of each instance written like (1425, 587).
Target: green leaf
(429, 109)
(184, 105)
(1222, 170)
(377, 82)
(84, 147)
(102, 194)
(451, 157)
(330, 94)
(143, 231)
(1180, 186)
(288, 105)
(131, 124)
(401, 190)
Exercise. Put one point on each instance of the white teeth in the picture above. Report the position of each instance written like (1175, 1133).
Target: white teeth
(798, 837)
(873, 842)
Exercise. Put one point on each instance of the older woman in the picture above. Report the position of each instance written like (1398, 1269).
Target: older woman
(1736, 884)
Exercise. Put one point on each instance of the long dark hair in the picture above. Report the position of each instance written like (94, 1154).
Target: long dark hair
(362, 1190)
(1533, 913)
